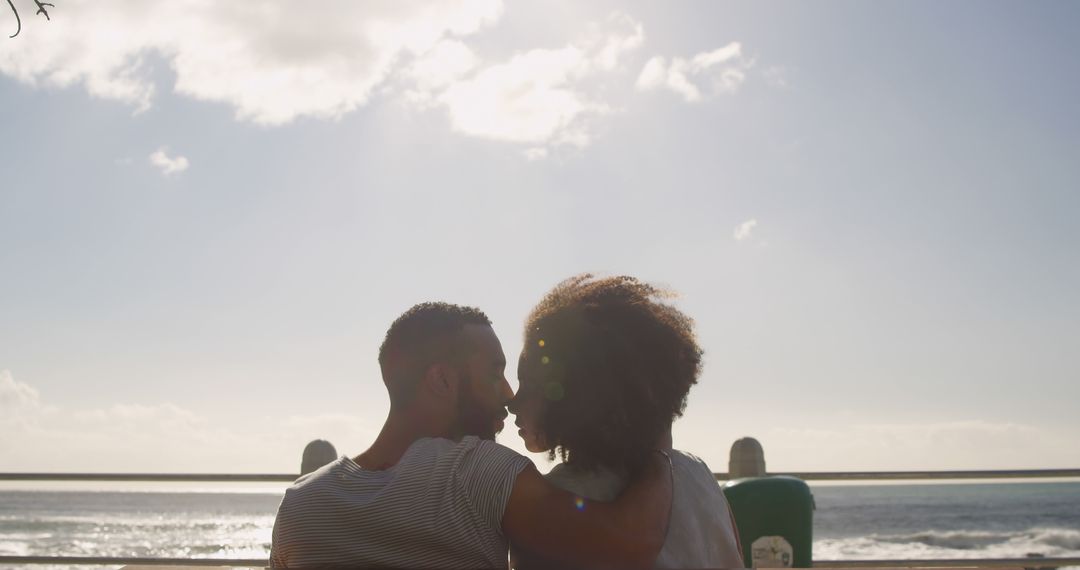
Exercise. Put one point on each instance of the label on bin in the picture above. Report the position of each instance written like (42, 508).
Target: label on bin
(771, 552)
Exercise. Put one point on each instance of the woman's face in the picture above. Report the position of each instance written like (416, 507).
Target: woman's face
(527, 405)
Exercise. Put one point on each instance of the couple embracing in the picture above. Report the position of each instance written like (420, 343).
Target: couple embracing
(605, 369)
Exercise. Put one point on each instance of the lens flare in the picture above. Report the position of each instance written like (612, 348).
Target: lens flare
(554, 391)
(579, 503)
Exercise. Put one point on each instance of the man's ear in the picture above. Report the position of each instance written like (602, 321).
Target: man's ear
(442, 380)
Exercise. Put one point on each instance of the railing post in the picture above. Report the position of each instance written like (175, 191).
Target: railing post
(747, 459)
(317, 453)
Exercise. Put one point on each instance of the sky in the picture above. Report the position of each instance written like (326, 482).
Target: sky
(211, 212)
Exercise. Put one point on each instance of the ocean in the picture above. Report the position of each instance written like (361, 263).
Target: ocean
(850, 522)
(984, 520)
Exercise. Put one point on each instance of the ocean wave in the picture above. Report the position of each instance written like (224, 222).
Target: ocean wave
(952, 544)
(151, 538)
(157, 522)
(14, 548)
(26, 535)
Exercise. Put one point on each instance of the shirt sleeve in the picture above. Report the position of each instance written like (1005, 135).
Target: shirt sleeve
(275, 542)
(486, 474)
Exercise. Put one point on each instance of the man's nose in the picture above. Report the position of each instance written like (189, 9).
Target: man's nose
(506, 393)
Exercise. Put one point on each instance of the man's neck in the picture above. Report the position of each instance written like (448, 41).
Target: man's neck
(398, 433)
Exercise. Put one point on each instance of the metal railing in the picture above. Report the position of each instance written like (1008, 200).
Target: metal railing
(1034, 562)
(804, 475)
(154, 477)
(127, 560)
(952, 563)
(262, 563)
(923, 475)
(927, 475)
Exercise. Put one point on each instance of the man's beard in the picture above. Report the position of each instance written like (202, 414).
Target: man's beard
(473, 418)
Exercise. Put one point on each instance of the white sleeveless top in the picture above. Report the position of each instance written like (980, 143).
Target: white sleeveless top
(701, 533)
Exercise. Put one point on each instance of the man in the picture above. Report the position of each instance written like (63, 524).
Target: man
(435, 490)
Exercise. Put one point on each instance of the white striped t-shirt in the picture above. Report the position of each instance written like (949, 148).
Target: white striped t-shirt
(440, 506)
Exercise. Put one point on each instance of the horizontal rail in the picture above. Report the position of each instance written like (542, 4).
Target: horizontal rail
(804, 475)
(1035, 562)
(913, 475)
(171, 477)
(124, 560)
(262, 563)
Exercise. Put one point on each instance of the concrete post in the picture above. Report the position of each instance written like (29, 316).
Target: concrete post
(316, 454)
(747, 459)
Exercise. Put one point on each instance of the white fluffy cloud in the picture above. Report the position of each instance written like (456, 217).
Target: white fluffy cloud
(272, 61)
(535, 153)
(17, 400)
(540, 96)
(275, 62)
(167, 164)
(743, 230)
(157, 437)
(438, 68)
(718, 71)
(529, 99)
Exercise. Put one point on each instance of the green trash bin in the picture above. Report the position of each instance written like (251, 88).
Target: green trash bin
(775, 518)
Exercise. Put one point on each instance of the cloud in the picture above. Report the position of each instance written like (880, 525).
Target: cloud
(535, 153)
(541, 96)
(17, 400)
(274, 62)
(271, 61)
(613, 40)
(776, 76)
(437, 69)
(955, 444)
(166, 164)
(529, 99)
(157, 437)
(743, 230)
(718, 71)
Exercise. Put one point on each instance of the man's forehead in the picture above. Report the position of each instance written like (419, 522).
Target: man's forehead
(483, 338)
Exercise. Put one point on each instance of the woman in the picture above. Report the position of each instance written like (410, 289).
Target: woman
(605, 370)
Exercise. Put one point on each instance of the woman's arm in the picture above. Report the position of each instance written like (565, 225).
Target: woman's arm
(626, 533)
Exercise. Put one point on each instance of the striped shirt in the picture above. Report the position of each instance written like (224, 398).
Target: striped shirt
(440, 506)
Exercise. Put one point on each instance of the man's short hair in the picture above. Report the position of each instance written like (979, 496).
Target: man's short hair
(615, 363)
(421, 336)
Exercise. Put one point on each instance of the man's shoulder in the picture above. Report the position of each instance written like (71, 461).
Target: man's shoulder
(478, 463)
(312, 479)
(429, 457)
(467, 445)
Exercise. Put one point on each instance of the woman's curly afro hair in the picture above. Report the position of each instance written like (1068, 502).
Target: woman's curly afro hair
(615, 364)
